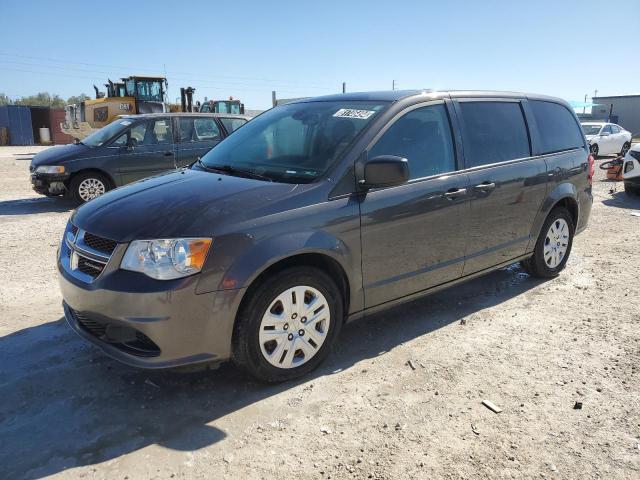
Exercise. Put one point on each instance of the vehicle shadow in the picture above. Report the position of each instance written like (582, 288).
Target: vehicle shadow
(28, 206)
(65, 404)
(620, 199)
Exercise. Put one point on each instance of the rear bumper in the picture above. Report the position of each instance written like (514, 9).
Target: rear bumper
(151, 328)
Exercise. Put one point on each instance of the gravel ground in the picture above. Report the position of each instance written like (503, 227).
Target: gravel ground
(400, 397)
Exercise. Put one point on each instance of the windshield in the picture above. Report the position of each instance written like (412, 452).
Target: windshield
(98, 138)
(591, 129)
(294, 143)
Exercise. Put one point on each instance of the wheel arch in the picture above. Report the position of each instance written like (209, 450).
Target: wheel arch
(565, 195)
(91, 170)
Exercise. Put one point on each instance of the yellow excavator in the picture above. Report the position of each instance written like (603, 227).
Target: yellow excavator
(132, 95)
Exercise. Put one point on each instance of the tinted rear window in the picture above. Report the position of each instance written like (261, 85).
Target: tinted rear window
(557, 126)
(493, 132)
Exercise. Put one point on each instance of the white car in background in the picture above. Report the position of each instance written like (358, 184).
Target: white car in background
(631, 170)
(606, 138)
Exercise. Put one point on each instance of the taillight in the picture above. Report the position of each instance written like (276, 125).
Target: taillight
(592, 169)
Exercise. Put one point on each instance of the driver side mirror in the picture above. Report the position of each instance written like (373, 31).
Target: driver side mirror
(385, 171)
(131, 143)
(605, 134)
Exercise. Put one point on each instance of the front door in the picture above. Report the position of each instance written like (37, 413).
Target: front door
(198, 135)
(414, 235)
(606, 142)
(507, 185)
(147, 150)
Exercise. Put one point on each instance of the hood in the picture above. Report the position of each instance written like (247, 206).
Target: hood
(186, 203)
(58, 154)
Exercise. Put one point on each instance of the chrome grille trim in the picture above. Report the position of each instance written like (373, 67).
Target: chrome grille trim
(77, 249)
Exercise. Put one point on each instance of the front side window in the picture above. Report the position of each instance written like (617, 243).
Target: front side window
(296, 142)
(615, 129)
(557, 126)
(606, 129)
(423, 137)
(160, 132)
(232, 124)
(149, 90)
(153, 132)
(493, 132)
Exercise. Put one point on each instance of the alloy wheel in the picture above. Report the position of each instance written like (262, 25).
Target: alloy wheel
(294, 327)
(90, 188)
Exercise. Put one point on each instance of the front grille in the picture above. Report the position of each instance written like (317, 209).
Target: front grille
(91, 268)
(98, 243)
(141, 346)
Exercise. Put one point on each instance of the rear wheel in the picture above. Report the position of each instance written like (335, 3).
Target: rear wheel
(287, 324)
(595, 150)
(631, 190)
(553, 246)
(625, 149)
(87, 186)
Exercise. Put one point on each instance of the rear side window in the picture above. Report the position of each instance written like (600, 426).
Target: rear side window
(493, 132)
(557, 126)
(423, 137)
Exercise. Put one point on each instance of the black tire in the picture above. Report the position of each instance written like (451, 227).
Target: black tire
(247, 353)
(536, 265)
(625, 149)
(76, 182)
(631, 190)
(594, 150)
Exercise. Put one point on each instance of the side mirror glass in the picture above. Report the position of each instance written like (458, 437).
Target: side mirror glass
(385, 171)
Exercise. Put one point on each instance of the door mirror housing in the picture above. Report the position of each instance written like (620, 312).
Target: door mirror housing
(385, 171)
(605, 134)
(131, 143)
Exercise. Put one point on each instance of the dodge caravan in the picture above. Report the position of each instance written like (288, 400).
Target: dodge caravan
(319, 212)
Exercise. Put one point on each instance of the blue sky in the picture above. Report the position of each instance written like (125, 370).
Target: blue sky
(249, 48)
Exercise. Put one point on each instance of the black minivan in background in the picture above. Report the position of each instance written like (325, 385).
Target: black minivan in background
(318, 212)
(129, 149)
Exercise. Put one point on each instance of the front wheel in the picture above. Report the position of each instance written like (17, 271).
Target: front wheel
(553, 246)
(625, 149)
(87, 186)
(287, 324)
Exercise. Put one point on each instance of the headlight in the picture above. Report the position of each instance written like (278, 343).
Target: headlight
(166, 259)
(50, 169)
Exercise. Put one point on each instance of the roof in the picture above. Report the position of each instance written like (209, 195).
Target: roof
(396, 95)
(189, 114)
(594, 123)
(636, 95)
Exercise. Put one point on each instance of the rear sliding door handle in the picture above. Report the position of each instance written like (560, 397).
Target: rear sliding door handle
(454, 193)
(485, 187)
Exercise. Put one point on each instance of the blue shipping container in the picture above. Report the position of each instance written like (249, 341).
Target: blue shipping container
(17, 119)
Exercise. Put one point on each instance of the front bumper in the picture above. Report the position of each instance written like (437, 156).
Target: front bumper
(145, 322)
(49, 184)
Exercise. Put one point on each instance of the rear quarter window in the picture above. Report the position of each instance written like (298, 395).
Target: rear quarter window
(557, 127)
(493, 132)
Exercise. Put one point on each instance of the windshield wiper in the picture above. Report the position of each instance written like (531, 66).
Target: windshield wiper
(234, 171)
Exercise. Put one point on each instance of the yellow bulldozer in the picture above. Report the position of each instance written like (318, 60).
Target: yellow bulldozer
(132, 95)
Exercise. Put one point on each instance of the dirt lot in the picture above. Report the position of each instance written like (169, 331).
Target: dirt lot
(533, 348)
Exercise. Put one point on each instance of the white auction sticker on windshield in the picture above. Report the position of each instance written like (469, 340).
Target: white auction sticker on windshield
(352, 113)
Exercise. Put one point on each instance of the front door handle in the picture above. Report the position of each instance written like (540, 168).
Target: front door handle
(168, 154)
(455, 193)
(486, 187)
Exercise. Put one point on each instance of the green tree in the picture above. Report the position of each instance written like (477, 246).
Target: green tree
(42, 99)
(78, 98)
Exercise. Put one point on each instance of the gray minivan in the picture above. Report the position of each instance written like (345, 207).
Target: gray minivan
(126, 150)
(318, 212)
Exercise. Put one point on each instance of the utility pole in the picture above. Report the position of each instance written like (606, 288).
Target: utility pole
(273, 98)
(584, 106)
(393, 84)
(344, 87)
